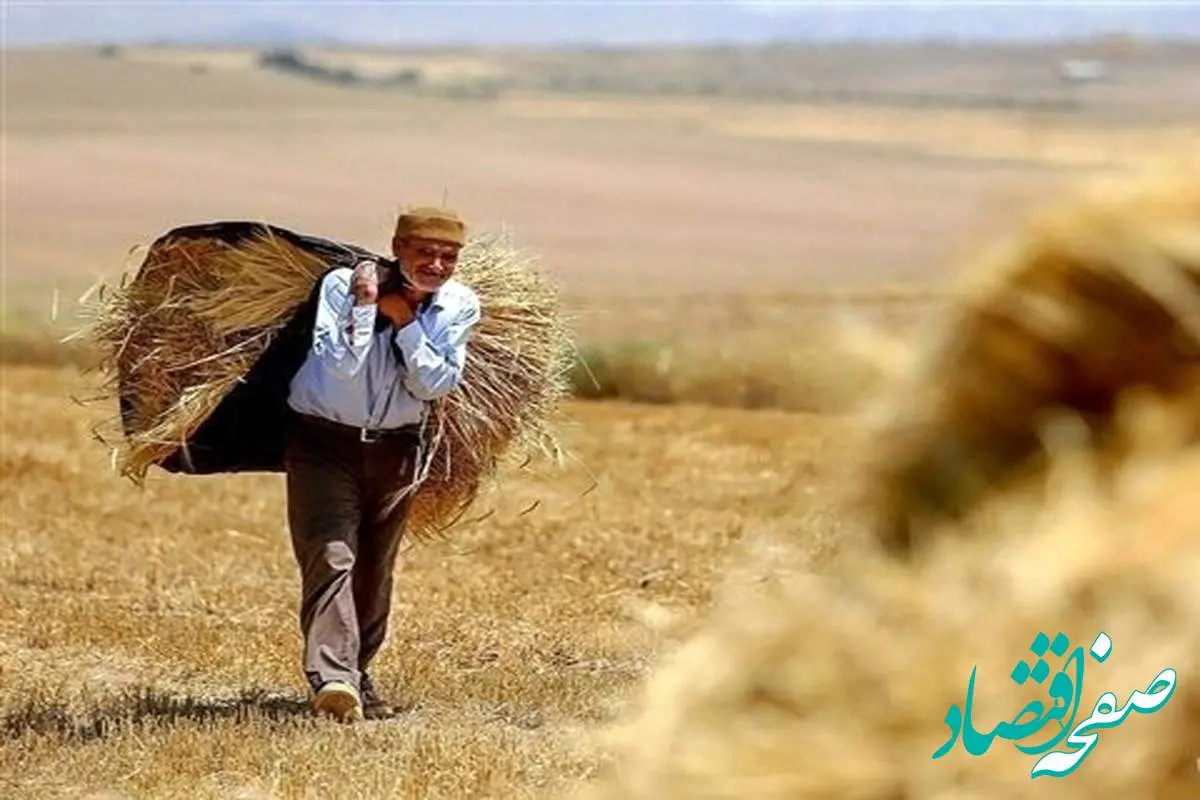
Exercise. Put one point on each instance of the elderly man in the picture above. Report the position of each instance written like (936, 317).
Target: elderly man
(388, 338)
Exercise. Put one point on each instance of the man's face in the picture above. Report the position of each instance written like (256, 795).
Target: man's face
(427, 263)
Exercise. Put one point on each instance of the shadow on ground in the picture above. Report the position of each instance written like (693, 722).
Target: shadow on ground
(101, 720)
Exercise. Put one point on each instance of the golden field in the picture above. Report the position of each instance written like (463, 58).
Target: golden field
(150, 636)
(148, 642)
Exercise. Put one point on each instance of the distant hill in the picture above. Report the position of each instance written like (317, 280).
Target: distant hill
(618, 23)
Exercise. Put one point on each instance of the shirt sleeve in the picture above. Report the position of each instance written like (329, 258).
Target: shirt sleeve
(343, 331)
(435, 358)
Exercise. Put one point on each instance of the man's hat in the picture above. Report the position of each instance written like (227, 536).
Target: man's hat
(431, 222)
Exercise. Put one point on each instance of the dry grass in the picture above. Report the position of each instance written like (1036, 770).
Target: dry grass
(44, 350)
(821, 372)
(149, 645)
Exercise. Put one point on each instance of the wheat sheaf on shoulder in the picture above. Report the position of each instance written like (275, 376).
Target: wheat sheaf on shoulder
(199, 339)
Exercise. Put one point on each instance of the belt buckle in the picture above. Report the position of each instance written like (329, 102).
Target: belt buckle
(368, 435)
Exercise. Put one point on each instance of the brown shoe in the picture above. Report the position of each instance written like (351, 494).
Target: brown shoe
(374, 707)
(339, 701)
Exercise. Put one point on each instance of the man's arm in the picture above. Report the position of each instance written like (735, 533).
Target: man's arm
(343, 330)
(435, 359)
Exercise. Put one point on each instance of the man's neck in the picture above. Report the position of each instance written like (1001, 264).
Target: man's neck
(416, 298)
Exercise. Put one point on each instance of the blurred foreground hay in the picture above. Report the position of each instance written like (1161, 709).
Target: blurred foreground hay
(1099, 295)
(1064, 444)
(836, 685)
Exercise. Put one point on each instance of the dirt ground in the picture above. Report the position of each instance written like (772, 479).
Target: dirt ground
(148, 642)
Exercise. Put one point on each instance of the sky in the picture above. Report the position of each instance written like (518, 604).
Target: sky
(28, 22)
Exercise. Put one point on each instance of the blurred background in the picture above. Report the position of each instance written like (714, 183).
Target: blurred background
(706, 176)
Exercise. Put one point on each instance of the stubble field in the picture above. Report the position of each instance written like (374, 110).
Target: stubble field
(148, 641)
(150, 637)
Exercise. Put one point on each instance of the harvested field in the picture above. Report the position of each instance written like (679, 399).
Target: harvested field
(148, 638)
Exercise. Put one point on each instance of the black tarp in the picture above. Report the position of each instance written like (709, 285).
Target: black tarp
(245, 433)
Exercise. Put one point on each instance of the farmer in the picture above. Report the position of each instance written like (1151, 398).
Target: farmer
(384, 345)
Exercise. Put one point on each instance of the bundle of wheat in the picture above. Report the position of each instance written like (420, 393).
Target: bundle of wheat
(885, 677)
(844, 683)
(1098, 295)
(198, 347)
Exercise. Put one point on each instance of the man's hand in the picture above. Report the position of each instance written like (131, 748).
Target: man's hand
(364, 284)
(396, 309)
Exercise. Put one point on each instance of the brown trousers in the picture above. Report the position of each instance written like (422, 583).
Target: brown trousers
(346, 524)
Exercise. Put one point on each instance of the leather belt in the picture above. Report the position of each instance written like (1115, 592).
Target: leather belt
(364, 434)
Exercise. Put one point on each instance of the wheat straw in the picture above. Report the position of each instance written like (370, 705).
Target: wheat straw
(178, 336)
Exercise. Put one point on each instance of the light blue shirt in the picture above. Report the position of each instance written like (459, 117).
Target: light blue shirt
(352, 374)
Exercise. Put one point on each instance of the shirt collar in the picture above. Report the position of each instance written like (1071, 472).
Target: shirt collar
(436, 300)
